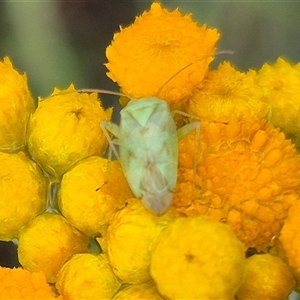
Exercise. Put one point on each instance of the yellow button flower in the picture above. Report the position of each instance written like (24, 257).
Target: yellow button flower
(228, 95)
(145, 55)
(87, 276)
(197, 258)
(281, 83)
(290, 239)
(248, 175)
(15, 109)
(65, 128)
(23, 190)
(91, 193)
(267, 277)
(47, 242)
(129, 238)
(139, 291)
(21, 284)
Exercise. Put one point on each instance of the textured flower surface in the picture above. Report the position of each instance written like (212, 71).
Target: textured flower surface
(145, 55)
(228, 95)
(88, 196)
(47, 242)
(129, 238)
(139, 291)
(267, 277)
(290, 240)
(21, 284)
(87, 276)
(65, 129)
(197, 258)
(23, 190)
(248, 175)
(16, 107)
(281, 84)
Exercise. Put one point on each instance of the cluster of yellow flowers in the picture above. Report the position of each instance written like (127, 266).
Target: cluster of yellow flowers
(232, 229)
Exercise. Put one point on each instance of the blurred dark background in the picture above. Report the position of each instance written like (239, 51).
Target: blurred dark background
(61, 42)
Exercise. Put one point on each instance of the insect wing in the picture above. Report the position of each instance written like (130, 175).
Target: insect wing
(148, 142)
(157, 195)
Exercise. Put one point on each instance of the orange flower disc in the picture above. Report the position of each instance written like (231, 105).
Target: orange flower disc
(248, 175)
(21, 284)
(145, 55)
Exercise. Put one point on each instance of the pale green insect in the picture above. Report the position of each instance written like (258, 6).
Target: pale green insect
(148, 151)
(148, 148)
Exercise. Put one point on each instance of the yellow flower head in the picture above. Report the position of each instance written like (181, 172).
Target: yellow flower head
(197, 258)
(91, 193)
(15, 109)
(87, 276)
(21, 284)
(290, 239)
(248, 175)
(267, 277)
(47, 242)
(145, 55)
(65, 129)
(143, 291)
(226, 95)
(281, 83)
(23, 192)
(129, 239)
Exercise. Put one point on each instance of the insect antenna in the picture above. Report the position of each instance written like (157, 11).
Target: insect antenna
(190, 64)
(100, 91)
(183, 131)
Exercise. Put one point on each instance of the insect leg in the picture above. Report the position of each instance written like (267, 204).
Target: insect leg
(185, 131)
(115, 130)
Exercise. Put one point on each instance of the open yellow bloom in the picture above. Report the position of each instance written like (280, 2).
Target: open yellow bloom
(91, 193)
(227, 95)
(15, 109)
(65, 128)
(21, 284)
(145, 55)
(197, 258)
(267, 277)
(23, 193)
(281, 83)
(47, 242)
(248, 175)
(87, 276)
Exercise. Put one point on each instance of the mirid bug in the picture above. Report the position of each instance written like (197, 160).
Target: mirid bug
(148, 152)
(148, 148)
